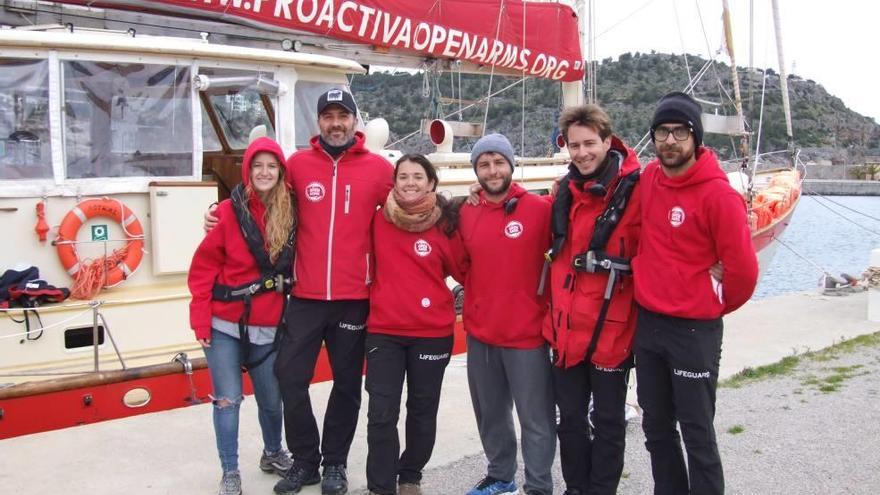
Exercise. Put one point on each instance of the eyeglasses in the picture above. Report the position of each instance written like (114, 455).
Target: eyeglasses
(679, 133)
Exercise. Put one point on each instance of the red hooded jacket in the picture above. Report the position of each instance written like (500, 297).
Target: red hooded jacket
(336, 200)
(409, 295)
(688, 224)
(577, 296)
(506, 256)
(223, 257)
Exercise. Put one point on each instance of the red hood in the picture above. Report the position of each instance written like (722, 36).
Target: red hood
(703, 170)
(357, 147)
(259, 145)
(630, 160)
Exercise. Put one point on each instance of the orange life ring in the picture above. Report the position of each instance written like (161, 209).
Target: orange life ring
(114, 210)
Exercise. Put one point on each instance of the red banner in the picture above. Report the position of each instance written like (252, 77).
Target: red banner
(537, 38)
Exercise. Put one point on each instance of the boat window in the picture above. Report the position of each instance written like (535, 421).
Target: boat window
(127, 120)
(210, 141)
(306, 111)
(239, 108)
(24, 120)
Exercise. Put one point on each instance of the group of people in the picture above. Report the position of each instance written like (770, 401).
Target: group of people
(564, 295)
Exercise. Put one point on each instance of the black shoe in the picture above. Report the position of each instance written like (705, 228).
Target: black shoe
(334, 481)
(295, 478)
(572, 491)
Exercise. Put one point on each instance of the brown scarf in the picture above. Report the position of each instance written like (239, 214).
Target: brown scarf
(412, 216)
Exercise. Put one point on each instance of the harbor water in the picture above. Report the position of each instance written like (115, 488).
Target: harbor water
(832, 232)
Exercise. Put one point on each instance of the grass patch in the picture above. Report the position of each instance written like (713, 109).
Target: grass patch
(749, 375)
(736, 429)
(789, 364)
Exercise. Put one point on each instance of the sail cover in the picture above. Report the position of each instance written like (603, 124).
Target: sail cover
(539, 39)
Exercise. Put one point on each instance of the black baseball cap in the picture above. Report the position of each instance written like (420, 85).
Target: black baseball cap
(339, 97)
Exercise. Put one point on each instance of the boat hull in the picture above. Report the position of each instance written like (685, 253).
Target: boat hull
(35, 407)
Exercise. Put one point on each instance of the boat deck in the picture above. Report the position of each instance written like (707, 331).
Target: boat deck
(173, 452)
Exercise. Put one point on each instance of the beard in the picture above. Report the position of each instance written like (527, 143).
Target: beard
(329, 138)
(674, 160)
(505, 185)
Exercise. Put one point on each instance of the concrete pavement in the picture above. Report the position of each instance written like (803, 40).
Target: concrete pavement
(173, 452)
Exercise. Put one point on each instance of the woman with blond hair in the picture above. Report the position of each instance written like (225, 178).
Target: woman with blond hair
(239, 279)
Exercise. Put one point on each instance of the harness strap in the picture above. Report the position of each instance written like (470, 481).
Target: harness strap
(603, 312)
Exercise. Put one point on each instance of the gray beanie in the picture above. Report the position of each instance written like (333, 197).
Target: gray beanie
(493, 143)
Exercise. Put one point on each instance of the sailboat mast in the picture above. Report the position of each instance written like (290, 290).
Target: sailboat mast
(783, 77)
(737, 94)
(574, 93)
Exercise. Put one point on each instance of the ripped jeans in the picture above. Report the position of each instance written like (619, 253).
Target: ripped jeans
(224, 362)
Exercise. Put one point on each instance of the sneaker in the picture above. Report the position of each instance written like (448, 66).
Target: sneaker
(493, 486)
(334, 481)
(277, 463)
(230, 484)
(295, 478)
(409, 489)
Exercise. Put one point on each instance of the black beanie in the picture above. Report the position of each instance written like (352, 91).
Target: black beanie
(680, 108)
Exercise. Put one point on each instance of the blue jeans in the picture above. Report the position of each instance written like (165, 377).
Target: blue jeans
(224, 362)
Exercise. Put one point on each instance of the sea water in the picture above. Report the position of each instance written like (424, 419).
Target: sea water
(826, 231)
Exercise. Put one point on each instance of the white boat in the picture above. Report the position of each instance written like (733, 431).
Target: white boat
(134, 120)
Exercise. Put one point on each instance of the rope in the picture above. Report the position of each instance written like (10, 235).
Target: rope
(866, 229)
(56, 324)
(814, 195)
(687, 66)
(624, 19)
(799, 255)
(522, 120)
(92, 274)
(457, 112)
(492, 72)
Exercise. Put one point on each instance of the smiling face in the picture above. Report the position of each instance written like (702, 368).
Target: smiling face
(675, 156)
(494, 174)
(337, 125)
(411, 182)
(265, 171)
(587, 149)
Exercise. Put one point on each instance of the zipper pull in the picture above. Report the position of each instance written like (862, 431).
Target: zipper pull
(347, 197)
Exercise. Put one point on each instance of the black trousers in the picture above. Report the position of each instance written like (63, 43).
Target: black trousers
(341, 327)
(422, 360)
(677, 363)
(592, 461)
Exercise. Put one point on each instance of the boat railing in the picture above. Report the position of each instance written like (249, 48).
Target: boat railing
(94, 308)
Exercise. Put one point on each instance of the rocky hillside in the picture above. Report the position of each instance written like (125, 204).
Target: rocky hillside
(628, 88)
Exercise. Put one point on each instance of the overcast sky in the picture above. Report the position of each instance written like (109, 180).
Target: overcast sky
(834, 43)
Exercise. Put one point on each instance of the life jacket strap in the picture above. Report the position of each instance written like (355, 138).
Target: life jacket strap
(600, 262)
(278, 283)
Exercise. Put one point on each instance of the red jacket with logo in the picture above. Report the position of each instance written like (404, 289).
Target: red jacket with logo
(336, 200)
(224, 257)
(409, 295)
(688, 224)
(506, 256)
(577, 296)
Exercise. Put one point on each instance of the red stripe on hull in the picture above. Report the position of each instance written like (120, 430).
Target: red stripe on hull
(93, 404)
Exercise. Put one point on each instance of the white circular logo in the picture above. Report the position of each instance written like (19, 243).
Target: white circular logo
(513, 229)
(422, 248)
(676, 216)
(426, 302)
(315, 191)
